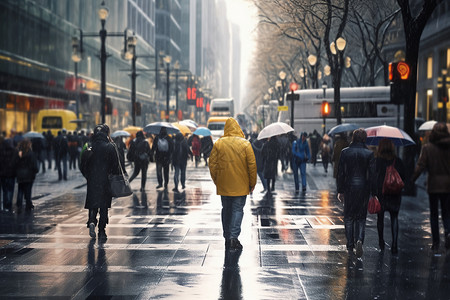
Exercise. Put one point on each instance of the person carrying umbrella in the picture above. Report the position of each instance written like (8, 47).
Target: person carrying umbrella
(300, 155)
(270, 154)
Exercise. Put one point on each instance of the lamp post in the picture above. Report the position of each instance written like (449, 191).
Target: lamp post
(312, 60)
(167, 59)
(324, 87)
(282, 76)
(337, 49)
(302, 72)
(176, 66)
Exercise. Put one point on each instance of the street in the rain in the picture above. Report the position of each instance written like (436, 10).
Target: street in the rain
(165, 245)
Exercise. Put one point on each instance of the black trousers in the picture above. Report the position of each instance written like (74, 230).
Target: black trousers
(103, 217)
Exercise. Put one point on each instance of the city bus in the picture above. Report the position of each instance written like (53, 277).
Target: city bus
(364, 106)
(222, 107)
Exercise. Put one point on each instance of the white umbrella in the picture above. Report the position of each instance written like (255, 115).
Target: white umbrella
(155, 128)
(274, 129)
(120, 133)
(189, 124)
(428, 125)
(33, 135)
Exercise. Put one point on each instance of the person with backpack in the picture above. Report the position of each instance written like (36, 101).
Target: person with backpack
(356, 173)
(163, 149)
(140, 153)
(435, 159)
(206, 147)
(300, 155)
(389, 201)
(181, 153)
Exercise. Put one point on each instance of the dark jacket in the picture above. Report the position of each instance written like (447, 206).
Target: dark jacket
(181, 151)
(103, 162)
(8, 159)
(388, 202)
(257, 146)
(435, 158)
(355, 179)
(27, 167)
(140, 151)
(162, 157)
(270, 155)
(61, 145)
(206, 145)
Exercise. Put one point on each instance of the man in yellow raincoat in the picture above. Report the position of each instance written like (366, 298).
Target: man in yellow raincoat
(233, 169)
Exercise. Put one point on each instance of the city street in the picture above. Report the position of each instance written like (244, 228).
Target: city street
(165, 245)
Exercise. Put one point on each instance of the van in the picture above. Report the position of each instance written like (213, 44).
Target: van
(216, 125)
(55, 120)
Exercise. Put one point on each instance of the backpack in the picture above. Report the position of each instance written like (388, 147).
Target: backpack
(393, 183)
(163, 145)
(85, 157)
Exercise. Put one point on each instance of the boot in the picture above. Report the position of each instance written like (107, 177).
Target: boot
(102, 235)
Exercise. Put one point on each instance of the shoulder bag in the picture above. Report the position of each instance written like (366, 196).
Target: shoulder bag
(119, 184)
(393, 183)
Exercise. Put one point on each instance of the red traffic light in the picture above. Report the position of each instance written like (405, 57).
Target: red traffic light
(325, 108)
(399, 71)
(293, 86)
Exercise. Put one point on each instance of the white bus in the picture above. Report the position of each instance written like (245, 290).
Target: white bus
(364, 106)
(222, 107)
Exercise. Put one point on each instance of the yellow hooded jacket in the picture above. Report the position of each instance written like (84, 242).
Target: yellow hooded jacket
(232, 162)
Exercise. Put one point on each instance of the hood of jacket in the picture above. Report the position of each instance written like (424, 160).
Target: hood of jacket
(232, 128)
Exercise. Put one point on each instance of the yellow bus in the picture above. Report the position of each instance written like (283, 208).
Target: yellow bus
(55, 120)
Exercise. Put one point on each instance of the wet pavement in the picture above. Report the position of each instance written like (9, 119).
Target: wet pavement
(165, 245)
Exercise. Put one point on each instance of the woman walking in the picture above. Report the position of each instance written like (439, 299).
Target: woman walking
(181, 153)
(390, 203)
(26, 170)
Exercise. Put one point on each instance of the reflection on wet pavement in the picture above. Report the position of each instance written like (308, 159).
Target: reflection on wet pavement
(165, 245)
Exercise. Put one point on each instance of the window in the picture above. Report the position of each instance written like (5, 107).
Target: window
(429, 67)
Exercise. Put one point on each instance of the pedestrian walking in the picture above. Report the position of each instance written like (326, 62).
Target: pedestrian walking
(300, 155)
(315, 139)
(325, 152)
(8, 159)
(257, 146)
(284, 149)
(38, 147)
(340, 143)
(140, 154)
(355, 179)
(26, 169)
(232, 167)
(49, 148)
(435, 159)
(206, 147)
(389, 202)
(181, 153)
(196, 148)
(270, 154)
(163, 149)
(121, 147)
(61, 148)
(102, 162)
(75, 145)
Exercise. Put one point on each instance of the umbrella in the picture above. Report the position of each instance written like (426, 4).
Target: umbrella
(398, 136)
(33, 135)
(428, 125)
(132, 129)
(120, 133)
(342, 128)
(203, 131)
(274, 129)
(183, 128)
(190, 124)
(155, 128)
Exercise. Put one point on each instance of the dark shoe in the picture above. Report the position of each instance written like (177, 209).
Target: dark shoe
(447, 241)
(350, 250)
(381, 244)
(92, 230)
(165, 186)
(29, 208)
(235, 245)
(394, 249)
(175, 190)
(297, 191)
(183, 187)
(304, 189)
(159, 186)
(359, 249)
(102, 235)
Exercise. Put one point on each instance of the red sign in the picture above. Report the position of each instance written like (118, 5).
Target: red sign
(293, 86)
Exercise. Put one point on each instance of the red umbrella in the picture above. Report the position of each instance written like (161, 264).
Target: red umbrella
(398, 136)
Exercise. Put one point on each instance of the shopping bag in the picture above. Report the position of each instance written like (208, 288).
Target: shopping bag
(374, 205)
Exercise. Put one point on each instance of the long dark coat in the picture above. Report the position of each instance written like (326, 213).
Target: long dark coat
(388, 202)
(181, 151)
(103, 162)
(26, 167)
(270, 155)
(257, 146)
(355, 179)
(8, 159)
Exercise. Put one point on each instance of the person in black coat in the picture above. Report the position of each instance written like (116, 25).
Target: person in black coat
(270, 156)
(181, 153)
(103, 162)
(206, 148)
(26, 170)
(257, 146)
(163, 148)
(355, 172)
(140, 154)
(49, 147)
(61, 149)
(8, 158)
(391, 203)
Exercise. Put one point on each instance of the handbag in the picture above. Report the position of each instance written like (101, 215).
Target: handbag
(119, 184)
(393, 183)
(374, 205)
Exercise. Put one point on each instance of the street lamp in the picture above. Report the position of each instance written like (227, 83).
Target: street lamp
(167, 59)
(302, 72)
(282, 76)
(176, 66)
(312, 60)
(337, 49)
(324, 87)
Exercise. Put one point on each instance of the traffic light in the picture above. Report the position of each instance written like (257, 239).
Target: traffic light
(325, 109)
(399, 77)
(108, 106)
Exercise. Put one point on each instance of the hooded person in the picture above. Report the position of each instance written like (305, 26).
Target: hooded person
(232, 167)
(181, 153)
(141, 153)
(163, 148)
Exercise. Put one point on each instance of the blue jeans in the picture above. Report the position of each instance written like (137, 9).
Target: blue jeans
(179, 168)
(354, 230)
(7, 186)
(263, 180)
(232, 214)
(302, 167)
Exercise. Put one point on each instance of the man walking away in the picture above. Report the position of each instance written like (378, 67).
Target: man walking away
(232, 167)
(163, 148)
(300, 155)
(355, 175)
(181, 153)
(140, 152)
